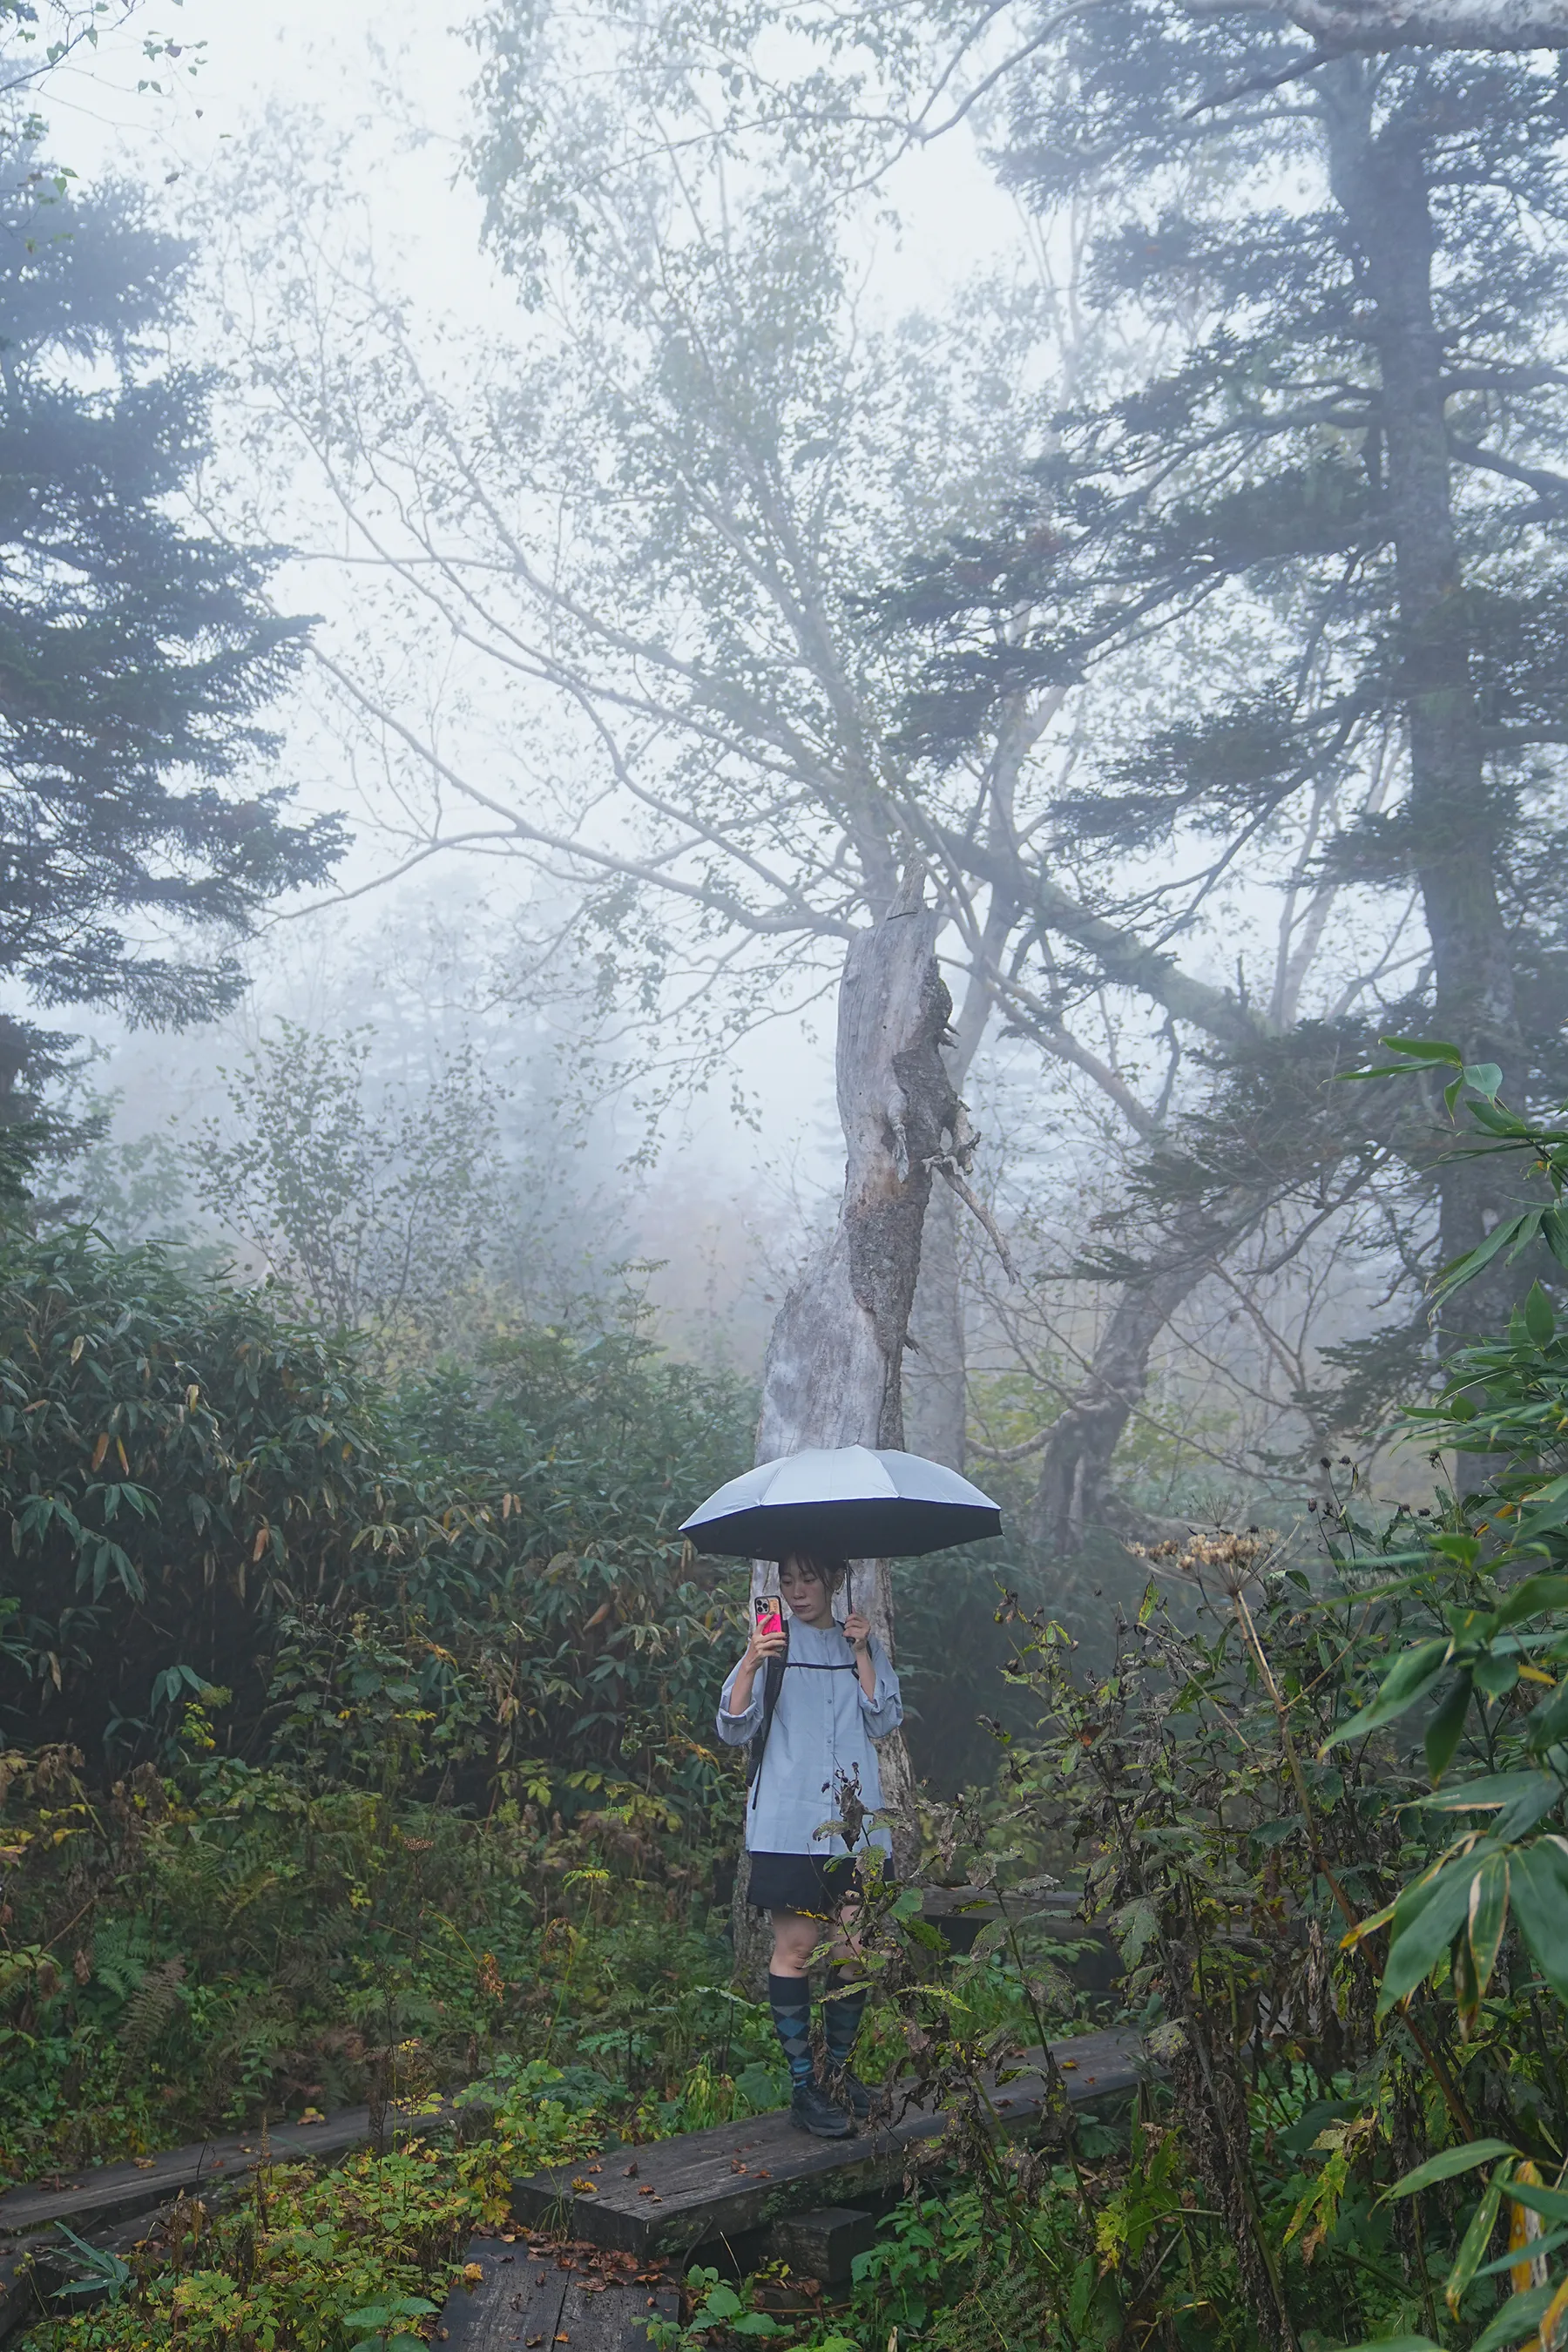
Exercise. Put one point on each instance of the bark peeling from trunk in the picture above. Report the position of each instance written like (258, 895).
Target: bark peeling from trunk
(834, 1366)
(936, 1382)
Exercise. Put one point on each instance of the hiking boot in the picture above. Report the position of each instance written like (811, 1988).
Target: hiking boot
(851, 2092)
(811, 2110)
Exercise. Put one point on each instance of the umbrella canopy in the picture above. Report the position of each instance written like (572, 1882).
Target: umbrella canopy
(843, 1502)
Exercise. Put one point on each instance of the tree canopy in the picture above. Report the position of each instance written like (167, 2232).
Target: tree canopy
(139, 648)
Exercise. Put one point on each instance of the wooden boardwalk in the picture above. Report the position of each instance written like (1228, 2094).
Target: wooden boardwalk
(99, 2193)
(529, 2299)
(728, 2183)
(107, 2203)
(589, 2261)
(112, 2204)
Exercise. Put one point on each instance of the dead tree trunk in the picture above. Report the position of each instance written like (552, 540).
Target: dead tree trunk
(936, 1384)
(833, 1374)
(936, 1375)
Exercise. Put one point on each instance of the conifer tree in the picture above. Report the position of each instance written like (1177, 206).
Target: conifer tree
(138, 649)
(1355, 468)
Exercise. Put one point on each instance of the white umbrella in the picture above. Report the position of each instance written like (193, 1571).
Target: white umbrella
(843, 1502)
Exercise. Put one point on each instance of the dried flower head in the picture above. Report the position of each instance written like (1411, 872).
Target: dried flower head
(1226, 1561)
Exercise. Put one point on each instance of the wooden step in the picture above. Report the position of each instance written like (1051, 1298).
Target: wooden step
(535, 2301)
(34, 2269)
(113, 2204)
(111, 2192)
(959, 1914)
(673, 2195)
(822, 2241)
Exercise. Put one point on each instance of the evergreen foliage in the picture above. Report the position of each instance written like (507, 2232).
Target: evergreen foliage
(138, 649)
(1338, 499)
(201, 1494)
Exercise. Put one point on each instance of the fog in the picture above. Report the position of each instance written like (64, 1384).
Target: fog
(588, 733)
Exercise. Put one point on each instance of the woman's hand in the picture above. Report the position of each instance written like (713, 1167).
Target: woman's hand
(760, 1646)
(764, 1645)
(857, 1629)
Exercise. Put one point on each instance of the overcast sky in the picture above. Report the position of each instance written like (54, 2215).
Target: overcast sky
(393, 76)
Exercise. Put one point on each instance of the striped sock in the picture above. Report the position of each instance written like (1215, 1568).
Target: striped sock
(841, 2015)
(789, 1998)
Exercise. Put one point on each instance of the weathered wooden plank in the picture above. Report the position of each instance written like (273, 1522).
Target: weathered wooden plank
(21, 2304)
(34, 2269)
(737, 2177)
(104, 2193)
(516, 2304)
(822, 2241)
(609, 2318)
(959, 1914)
(530, 2300)
(112, 2192)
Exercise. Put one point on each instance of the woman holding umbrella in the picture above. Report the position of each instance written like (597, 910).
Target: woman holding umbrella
(814, 1775)
(811, 1698)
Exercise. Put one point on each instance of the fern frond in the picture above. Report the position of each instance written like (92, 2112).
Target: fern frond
(121, 1955)
(160, 1993)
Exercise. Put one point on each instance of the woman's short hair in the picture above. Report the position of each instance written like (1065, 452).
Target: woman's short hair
(829, 1573)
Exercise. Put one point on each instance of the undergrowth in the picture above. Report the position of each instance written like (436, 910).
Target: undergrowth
(324, 2262)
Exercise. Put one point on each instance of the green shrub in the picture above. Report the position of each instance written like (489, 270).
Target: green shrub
(329, 2262)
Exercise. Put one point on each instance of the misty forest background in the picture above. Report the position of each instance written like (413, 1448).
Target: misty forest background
(520, 540)
(617, 633)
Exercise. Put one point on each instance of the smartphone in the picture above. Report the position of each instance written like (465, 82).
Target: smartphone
(768, 1611)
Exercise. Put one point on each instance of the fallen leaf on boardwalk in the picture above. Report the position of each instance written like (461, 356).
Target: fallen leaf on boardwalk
(644, 2193)
(532, 2340)
(630, 2173)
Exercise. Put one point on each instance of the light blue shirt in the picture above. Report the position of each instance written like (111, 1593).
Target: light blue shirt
(824, 1725)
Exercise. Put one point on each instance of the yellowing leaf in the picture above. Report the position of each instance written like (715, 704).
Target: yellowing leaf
(1555, 2321)
(1524, 2225)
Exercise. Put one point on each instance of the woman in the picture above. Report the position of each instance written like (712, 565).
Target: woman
(836, 1694)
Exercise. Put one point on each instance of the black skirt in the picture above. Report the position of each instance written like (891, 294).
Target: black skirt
(818, 1885)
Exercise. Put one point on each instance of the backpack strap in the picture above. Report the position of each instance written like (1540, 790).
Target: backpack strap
(773, 1683)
